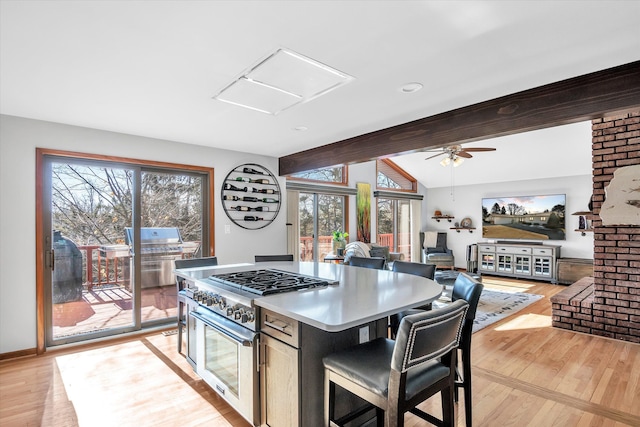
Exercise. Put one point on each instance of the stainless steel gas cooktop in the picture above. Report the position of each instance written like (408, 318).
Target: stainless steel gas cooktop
(269, 281)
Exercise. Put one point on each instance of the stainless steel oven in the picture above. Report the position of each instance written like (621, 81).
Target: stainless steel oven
(222, 331)
(226, 359)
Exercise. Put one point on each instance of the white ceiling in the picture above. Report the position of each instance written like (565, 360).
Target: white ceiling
(151, 68)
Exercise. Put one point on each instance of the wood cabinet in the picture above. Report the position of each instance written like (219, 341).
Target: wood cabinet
(513, 259)
(279, 383)
(292, 373)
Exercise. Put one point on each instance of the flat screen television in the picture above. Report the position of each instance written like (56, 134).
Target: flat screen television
(524, 217)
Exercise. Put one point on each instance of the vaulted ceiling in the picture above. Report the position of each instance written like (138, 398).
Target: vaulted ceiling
(151, 68)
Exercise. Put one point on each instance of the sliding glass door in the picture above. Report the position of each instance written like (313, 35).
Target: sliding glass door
(97, 280)
(319, 216)
(394, 225)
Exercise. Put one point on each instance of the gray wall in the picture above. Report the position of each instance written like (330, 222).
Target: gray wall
(20, 137)
(467, 202)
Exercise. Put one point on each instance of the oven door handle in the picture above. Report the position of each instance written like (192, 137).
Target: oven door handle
(244, 337)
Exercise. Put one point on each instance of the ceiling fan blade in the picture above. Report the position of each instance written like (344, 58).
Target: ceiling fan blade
(464, 154)
(435, 155)
(472, 149)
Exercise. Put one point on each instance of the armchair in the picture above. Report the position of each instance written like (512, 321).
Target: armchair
(435, 251)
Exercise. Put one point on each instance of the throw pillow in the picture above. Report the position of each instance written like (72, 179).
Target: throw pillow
(379, 251)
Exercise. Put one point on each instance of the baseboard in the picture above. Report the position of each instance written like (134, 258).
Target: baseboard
(19, 353)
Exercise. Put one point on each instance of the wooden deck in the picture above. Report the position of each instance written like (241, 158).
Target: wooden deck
(525, 373)
(110, 306)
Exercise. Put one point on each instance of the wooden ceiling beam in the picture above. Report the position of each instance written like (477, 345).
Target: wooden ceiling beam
(582, 98)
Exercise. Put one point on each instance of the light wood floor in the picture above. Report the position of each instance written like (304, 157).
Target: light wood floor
(525, 373)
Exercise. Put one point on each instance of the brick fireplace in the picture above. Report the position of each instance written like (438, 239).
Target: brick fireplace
(609, 304)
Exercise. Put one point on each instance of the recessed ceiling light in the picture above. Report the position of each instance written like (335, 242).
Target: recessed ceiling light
(280, 81)
(411, 87)
(300, 128)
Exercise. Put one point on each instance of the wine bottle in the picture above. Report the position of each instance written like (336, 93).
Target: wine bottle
(264, 190)
(259, 181)
(269, 200)
(228, 197)
(261, 209)
(252, 218)
(249, 199)
(234, 188)
(241, 208)
(250, 170)
(243, 179)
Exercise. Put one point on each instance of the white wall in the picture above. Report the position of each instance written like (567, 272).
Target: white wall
(467, 202)
(19, 138)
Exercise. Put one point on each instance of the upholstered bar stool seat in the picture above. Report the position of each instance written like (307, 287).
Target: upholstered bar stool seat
(396, 376)
(368, 366)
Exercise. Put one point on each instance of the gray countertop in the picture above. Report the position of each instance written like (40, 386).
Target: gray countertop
(361, 295)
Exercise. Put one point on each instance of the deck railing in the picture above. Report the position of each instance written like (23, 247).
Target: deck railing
(325, 246)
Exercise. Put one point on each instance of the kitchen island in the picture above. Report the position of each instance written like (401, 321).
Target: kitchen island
(297, 329)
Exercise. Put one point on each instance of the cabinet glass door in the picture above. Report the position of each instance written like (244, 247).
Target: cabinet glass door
(505, 263)
(522, 264)
(542, 266)
(487, 262)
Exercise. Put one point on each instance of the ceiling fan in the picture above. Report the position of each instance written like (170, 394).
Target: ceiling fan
(456, 154)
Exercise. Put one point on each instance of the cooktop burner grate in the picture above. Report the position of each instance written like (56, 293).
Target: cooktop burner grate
(268, 281)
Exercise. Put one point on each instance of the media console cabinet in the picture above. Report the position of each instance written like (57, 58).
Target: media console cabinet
(514, 259)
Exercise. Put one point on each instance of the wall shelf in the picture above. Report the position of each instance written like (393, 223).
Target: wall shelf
(443, 217)
(463, 228)
(584, 231)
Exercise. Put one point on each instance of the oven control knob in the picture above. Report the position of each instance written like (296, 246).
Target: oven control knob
(250, 317)
(222, 304)
(209, 301)
(229, 311)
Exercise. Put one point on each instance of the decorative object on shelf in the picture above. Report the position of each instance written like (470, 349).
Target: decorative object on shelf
(363, 211)
(584, 221)
(437, 213)
(465, 223)
(255, 205)
(339, 242)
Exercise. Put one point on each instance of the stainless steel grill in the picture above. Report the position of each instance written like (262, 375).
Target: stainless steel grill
(159, 248)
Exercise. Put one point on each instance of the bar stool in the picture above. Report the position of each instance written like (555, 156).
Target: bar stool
(268, 258)
(368, 262)
(468, 289)
(182, 299)
(417, 269)
(396, 376)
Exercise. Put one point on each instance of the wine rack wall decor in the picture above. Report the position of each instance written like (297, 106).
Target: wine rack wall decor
(251, 196)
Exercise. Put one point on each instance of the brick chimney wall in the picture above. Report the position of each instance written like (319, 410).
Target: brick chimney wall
(616, 295)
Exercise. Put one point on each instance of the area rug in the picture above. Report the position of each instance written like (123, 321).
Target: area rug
(496, 305)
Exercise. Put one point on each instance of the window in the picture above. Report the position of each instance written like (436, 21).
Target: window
(336, 175)
(319, 216)
(394, 209)
(391, 177)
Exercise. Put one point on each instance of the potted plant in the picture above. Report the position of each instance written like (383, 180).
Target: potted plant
(339, 242)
